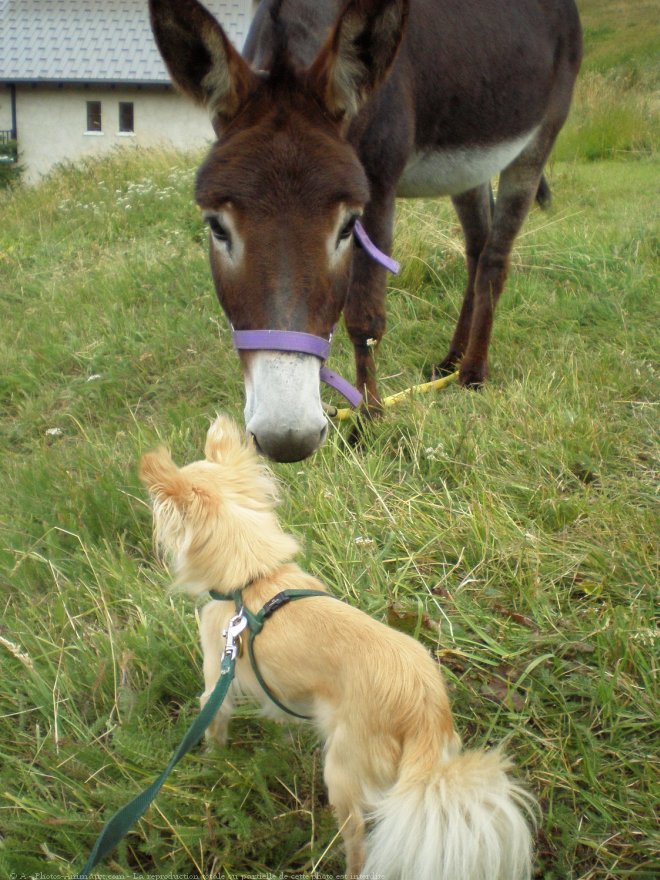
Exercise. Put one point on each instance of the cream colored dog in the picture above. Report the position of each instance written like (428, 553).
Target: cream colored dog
(411, 805)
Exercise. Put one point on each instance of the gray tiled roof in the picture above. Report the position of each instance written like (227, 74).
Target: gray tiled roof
(91, 40)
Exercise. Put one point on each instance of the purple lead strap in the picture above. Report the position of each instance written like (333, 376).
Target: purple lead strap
(334, 380)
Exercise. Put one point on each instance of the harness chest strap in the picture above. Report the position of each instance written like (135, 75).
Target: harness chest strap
(255, 623)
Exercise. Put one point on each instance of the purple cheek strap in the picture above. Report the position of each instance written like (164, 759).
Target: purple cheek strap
(307, 343)
(377, 256)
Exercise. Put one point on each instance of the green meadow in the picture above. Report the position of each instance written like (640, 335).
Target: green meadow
(514, 532)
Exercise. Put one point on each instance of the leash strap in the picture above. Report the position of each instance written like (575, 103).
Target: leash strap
(120, 824)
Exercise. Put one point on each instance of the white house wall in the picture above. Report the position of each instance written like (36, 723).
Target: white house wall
(52, 123)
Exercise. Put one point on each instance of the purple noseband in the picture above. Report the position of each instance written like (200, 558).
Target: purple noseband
(282, 340)
(308, 343)
(300, 343)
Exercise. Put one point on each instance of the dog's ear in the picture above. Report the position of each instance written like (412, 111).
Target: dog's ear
(163, 478)
(223, 440)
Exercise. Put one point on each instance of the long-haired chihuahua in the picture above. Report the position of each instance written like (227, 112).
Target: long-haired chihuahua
(411, 804)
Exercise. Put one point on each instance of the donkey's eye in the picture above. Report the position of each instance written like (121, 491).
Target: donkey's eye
(347, 229)
(219, 232)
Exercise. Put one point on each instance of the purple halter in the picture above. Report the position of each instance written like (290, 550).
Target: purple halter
(376, 255)
(308, 343)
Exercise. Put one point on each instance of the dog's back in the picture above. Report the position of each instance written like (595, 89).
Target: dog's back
(393, 758)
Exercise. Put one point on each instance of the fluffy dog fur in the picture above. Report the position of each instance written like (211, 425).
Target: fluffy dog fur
(411, 805)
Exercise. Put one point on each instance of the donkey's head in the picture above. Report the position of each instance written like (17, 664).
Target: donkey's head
(281, 189)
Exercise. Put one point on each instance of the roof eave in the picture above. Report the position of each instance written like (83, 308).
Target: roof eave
(69, 81)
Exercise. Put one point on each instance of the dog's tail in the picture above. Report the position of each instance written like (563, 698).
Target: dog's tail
(469, 821)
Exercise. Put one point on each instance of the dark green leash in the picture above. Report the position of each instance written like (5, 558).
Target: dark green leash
(123, 820)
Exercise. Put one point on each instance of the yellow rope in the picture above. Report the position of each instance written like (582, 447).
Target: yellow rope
(435, 385)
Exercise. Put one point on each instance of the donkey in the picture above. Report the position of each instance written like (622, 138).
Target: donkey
(334, 110)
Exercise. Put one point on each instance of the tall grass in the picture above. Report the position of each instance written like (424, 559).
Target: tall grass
(612, 118)
(514, 532)
(615, 108)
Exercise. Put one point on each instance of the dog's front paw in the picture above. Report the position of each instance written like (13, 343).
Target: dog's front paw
(216, 734)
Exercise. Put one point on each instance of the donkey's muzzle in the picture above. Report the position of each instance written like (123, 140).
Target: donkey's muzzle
(286, 444)
(283, 410)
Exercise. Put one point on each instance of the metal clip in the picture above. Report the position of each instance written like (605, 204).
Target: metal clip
(232, 634)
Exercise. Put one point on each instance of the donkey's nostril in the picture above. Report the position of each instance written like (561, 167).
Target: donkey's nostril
(287, 444)
(256, 444)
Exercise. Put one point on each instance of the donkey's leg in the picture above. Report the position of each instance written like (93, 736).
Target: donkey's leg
(474, 211)
(364, 312)
(518, 186)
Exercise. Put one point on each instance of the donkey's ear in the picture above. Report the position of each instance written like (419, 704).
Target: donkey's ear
(358, 54)
(223, 440)
(163, 478)
(200, 58)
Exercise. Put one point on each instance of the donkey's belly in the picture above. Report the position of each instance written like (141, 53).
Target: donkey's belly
(452, 171)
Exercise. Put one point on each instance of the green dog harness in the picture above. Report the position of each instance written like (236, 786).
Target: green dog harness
(255, 623)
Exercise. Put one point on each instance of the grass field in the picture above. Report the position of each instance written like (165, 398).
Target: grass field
(514, 531)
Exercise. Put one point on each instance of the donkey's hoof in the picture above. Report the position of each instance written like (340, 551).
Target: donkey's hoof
(356, 435)
(472, 375)
(446, 367)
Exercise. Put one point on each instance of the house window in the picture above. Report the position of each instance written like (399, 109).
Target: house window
(94, 116)
(126, 117)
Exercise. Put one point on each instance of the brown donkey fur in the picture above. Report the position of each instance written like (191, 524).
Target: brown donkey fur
(335, 109)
